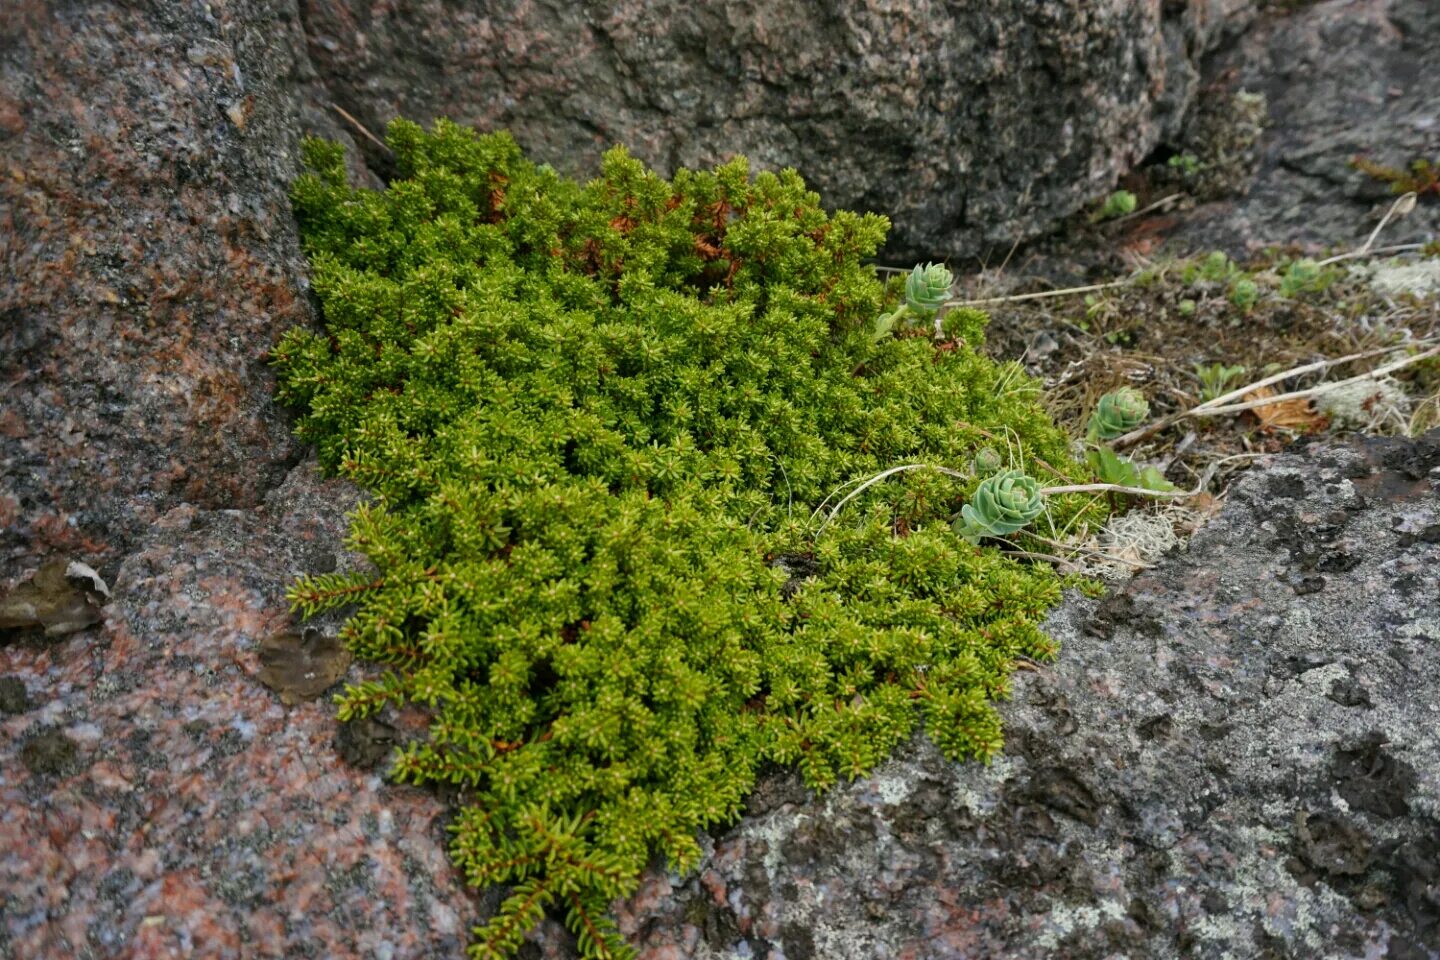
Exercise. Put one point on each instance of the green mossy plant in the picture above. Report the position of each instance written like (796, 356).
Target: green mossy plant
(1421, 176)
(595, 420)
(1118, 204)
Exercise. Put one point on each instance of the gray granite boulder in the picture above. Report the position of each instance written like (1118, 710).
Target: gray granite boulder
(969, 124)
(1341, 80)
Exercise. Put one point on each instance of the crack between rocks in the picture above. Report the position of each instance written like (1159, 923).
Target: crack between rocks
(365, 152)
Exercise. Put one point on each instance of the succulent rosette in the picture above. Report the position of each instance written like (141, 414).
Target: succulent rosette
(987, 461)
(1003, 503)
(1118, 413)
(928, 287)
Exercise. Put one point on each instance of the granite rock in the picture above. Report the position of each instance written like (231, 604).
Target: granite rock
(161, 801)
(1341, 80)
(150, 261)
(970, 125)
(1236, 755)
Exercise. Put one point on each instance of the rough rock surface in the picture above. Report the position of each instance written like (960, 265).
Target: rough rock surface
(150, 260)
(1341, 79)
(1237, 755)
(159, 801)
(968, 124)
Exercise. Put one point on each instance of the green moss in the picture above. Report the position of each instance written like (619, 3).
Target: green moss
(1421, 176)
(596, 420)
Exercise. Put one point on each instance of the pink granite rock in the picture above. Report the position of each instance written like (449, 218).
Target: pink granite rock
(149, 261)
(159, 801)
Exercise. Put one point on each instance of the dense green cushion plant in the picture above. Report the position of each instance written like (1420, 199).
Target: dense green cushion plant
(596, 420)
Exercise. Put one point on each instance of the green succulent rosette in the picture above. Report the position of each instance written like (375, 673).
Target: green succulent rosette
(928, 287)
(1002, 504)
(987, 460)
(1118, 413)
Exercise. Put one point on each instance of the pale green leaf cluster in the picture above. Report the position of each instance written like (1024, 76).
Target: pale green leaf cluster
(1003, 503)
(1117, 413)
(595, 420)
(927, 289)
(1215, 378)
(1116, 468)
(1118, 204)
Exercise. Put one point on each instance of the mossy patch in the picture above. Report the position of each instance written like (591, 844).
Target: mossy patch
(597, 421)
(1185, 330)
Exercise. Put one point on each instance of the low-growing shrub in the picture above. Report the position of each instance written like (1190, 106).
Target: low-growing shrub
(596, 421)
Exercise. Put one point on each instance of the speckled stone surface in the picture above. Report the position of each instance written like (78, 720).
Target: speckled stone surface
(1238, 754)
(1342, 80)
(969, 124)
(148, 259)
(192, 815)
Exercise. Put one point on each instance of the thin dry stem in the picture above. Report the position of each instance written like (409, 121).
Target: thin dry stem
(1016, 298)
(1400, 207)
(1318, 389)
(883, 474)
(1157, 205)
(361, 127)
(1117, 488)
(1085, 550)
(1221, 404)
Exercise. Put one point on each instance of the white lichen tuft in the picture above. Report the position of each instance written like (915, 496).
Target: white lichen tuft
(1420, 278)
(1135, 540)
(1365, 404)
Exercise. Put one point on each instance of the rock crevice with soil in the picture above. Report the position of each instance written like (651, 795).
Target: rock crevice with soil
(1235, 755)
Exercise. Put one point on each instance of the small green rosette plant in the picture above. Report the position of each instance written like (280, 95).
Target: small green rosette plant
(1002, 504)
(1117, 413)
(927, 289)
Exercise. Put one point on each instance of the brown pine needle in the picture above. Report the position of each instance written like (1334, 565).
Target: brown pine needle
(361, 127)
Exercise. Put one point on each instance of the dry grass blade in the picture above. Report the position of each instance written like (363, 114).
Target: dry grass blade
(361, 127)
(1160, 204)
(1402, 206)
(1375, 374)
(1042, 295)
(1117, 488)
(1221, 405)
(883, 474)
